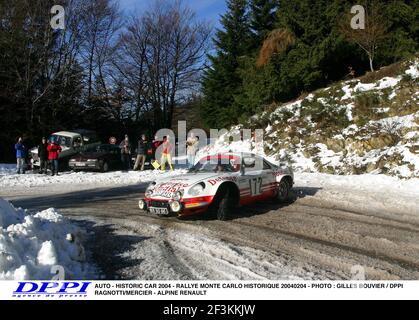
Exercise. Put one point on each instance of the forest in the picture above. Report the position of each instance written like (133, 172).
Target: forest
(116, 72)
(107, 71)
(271, 51)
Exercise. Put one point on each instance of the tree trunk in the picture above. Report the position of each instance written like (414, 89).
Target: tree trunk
(371, 64)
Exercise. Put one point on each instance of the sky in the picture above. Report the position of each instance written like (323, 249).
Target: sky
(205, 9)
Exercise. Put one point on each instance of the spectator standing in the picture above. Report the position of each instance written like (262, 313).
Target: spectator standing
(125, 153)
(43, 156)
(54, 149)
(141, 153)
(167, 154)
(155, 145)
(191, 149)
(20, 156)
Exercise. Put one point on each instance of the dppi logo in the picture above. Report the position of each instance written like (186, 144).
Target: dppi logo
(66, 289)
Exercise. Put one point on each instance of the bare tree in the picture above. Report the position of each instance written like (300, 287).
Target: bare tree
(374, 33)
(41, 59)
(177, 48)
(130, 63)
(100, 25)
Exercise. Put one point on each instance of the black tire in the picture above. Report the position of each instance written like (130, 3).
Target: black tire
(225, 207)
(283, 191)
(105, 167)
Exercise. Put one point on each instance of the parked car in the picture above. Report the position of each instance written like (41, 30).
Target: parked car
(71, 142)
(102, 157)
(218, 183)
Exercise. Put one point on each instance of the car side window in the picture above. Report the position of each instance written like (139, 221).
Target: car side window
(266, 165)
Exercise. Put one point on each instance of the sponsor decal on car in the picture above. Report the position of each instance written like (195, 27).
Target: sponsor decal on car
(167, 189)
(213, 182)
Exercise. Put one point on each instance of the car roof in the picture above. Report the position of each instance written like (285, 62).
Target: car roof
(66, 134)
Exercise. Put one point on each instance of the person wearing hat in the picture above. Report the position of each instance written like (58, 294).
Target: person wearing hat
(43, 156)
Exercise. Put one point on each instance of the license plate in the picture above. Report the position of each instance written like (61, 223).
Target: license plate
(80, 164)
(159, 211)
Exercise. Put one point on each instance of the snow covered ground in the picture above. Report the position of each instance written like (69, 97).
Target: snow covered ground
(30, 245)
(370, 213)
(9, 179)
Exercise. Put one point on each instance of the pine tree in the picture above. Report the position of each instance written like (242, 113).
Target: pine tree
(263, 17)
(222, 80)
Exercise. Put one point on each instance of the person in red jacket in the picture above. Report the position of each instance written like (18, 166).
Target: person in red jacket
(155, 145)
(54, 150)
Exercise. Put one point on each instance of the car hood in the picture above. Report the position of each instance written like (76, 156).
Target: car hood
(167, 187)
(190, 179)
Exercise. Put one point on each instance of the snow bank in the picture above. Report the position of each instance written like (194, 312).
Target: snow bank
(85, 178)
(369, 183)
(30, 245)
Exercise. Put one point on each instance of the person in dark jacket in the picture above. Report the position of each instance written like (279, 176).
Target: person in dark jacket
(142, 149)
(125, 153)
(43, 156)
(20, 156)
(54, 150)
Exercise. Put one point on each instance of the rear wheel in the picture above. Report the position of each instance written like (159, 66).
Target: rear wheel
(283, 191)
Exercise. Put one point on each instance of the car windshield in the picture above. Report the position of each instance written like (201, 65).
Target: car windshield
(61, 140)
(216, 165)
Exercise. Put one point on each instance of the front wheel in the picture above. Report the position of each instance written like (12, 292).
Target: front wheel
(225, 208)
(283, 191)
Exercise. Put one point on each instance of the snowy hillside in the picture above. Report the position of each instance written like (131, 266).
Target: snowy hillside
(366, 125)
(30, 245)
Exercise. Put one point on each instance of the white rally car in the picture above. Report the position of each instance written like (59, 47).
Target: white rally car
(219, 184)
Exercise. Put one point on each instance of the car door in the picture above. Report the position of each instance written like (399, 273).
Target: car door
(256, 180)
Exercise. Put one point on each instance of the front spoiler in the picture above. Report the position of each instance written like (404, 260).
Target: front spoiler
(190, 207)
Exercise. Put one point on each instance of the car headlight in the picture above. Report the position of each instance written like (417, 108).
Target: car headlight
(177, 195)
(197, 189)
(175, 206)
(142, 205)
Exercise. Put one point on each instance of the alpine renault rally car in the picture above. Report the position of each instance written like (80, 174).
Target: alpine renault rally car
(218, 184)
